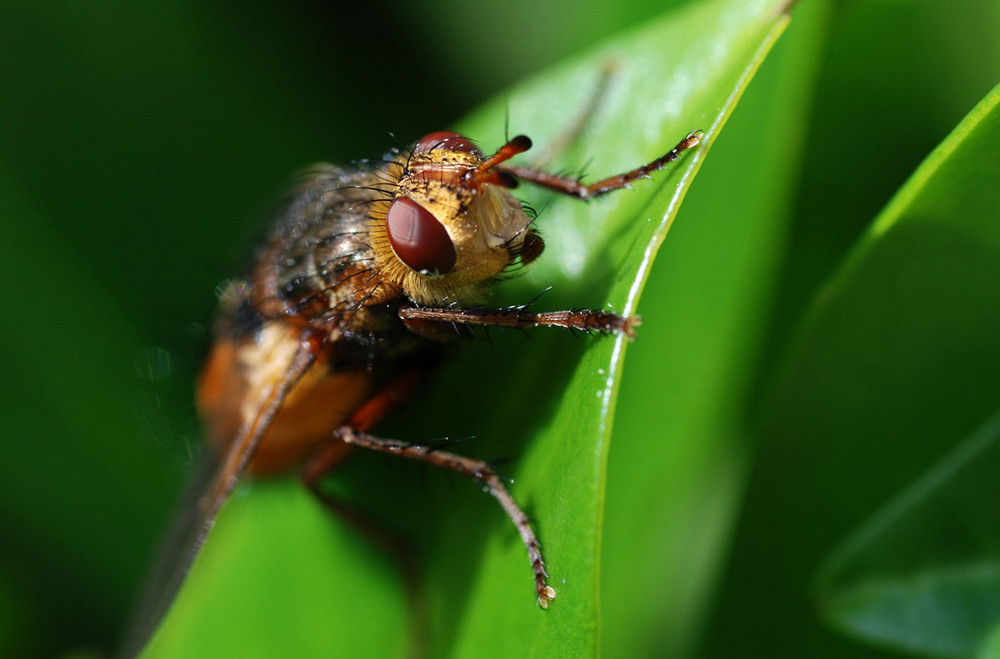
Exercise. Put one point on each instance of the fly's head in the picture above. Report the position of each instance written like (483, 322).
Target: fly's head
(452, 224)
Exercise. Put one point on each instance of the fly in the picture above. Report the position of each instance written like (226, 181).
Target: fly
(365, 274)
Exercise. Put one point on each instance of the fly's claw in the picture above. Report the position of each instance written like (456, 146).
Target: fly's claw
(545, 595)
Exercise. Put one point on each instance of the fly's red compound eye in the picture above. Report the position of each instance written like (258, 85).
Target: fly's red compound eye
(446, 140)
(418, 238)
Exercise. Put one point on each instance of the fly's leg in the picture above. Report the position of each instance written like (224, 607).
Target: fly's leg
(567, 138)
(576, 188)
(398, 549)
(396, 392)
(433, 321)
(331, 454)
(324, 462)
(477, 470)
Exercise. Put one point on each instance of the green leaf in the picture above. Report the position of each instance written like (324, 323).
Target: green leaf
(991, 648)
(937, 246)
(896, 360)
(277, 575)
(924, 573)
(679, 457)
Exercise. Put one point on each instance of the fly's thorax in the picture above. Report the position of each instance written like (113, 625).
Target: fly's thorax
(317, 264)
(445, 233)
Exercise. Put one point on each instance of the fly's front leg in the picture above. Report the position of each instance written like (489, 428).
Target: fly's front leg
(576, 188)
(430, 321)
(477, 470)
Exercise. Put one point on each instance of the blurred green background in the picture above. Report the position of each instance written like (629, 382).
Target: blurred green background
(138, 142)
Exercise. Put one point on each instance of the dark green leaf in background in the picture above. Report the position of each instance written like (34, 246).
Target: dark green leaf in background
(927, 276)
(924, 573)
(896, 360)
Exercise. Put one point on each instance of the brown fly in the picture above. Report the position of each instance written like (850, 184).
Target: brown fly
(365, 273)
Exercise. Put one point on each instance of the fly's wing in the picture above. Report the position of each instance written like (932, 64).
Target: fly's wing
(214, 482)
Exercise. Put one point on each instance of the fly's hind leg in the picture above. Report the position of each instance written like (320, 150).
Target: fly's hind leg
(479, 471)
(399, 550)
(331, 454)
